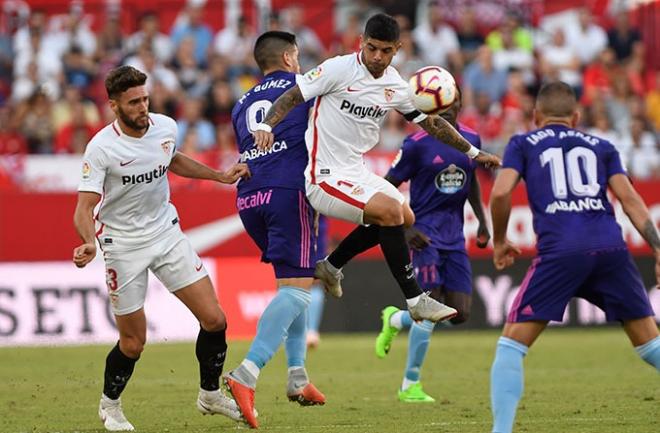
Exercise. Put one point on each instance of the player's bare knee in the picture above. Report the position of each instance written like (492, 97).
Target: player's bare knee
(408, 217)
(214, 323)
(132, 346)
(392, 215)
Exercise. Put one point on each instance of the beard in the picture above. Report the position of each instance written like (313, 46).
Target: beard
(138, 124)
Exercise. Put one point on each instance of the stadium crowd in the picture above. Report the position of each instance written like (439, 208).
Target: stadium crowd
(52, 70)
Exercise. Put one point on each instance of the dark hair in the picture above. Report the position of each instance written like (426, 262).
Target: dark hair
(382, 27)
(269, 48)
(556, 99)
(123, 78)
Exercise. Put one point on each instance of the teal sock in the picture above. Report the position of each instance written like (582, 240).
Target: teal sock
(315, 310)
(506, 383)
(418, 344)
(650, 352)
(275, 321)
(295, 344)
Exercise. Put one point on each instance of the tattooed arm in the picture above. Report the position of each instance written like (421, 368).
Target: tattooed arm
(263, 137)
(634, 207)
(439, 128)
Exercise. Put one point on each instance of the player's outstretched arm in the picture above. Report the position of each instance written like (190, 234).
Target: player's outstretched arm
(443, 131)
(474, 197)
(83, 220)
(500, 209)
(185, 166)
(263, 136)
(634, 206)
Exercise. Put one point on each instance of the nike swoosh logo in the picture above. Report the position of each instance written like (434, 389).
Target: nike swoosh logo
(122, 163)
(352, 90)
(199, 268)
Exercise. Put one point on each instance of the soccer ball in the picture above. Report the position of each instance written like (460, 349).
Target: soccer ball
(432, 90)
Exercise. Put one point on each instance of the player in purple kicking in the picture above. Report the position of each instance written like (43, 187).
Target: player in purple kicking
(442, 179)
(581, 252)
(277, 216)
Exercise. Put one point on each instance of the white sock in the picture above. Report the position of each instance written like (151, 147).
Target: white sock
(396, 318)
(251, 367)
(413, 301)
(108, 401)
(331, 268)
(208, 394)
(407, 383)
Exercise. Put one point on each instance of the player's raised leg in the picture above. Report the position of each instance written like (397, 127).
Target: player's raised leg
(119, 366)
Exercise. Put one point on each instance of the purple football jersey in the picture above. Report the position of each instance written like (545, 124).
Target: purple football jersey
(440, 178)
(566, 172)
(283, 165)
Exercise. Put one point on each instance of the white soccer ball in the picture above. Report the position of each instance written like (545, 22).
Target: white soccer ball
(432, 90)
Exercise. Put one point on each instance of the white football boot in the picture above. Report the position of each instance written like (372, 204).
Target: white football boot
(112, 415)
(430, 309)
(331, 280)
(216, 402)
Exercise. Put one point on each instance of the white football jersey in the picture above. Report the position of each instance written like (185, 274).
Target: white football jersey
(131, 175)
(348, 113)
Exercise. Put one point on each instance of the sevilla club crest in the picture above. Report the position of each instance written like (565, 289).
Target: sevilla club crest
(167, 147)
(389, 94)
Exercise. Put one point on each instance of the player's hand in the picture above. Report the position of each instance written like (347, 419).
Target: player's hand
(84, 254)
(488, 160)
(504, 255)
(236, 172)
(416, 239)
(483, 236)
(263, 140)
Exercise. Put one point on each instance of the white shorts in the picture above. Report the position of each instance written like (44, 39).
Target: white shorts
(171, 258)
(344, 197)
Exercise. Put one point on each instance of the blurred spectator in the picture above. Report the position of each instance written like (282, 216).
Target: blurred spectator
(73, 30)
(619, 103)
(36, 24)
(274, 23)
(161, 100)
(585, 37)
(485, 118)
(511, 56)
(481, 76)
(602, 128)
(512, 102)
(192, 120)
(437, 40)
(63, 109)
(191, 23)
(74, 136)
(653, 102)
(558, 61)
(623, 37)
(511, 27)
(597, 81)
(146, 61)
(190, 73)
(236, 42)
(407, 59)
(11, 140)
(636, 69)
(79, 69)
(35, 120)
(150, 34)
(644, 155)
(312, 51)
(110, 41)
(348, 40)
(220, 101)
(39, 64)
(469, 38)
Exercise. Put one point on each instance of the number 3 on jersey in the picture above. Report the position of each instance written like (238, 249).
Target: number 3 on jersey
(568, 174)
(256, 113)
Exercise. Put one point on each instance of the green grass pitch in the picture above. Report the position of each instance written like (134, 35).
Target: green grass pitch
(587, 380)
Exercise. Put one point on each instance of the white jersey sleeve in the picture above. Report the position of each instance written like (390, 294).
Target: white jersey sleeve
(325, 78)
(403, 103)
(94, 167)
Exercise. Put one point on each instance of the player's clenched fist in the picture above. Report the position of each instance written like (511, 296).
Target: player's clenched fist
(236, 172)
(84, 254)
(488, 160)
(504, 255)
(263, 139)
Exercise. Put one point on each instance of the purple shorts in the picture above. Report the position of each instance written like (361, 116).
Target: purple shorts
(281, 223)
(607, 279)
(443, 268)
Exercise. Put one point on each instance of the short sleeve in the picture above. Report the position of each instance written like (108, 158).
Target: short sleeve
(404, 165)
(323, 79)
(94, 168)
(404, 104)
(613, 163)
(514, 156)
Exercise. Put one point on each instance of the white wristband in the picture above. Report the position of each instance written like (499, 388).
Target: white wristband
(264, 127)
(472, 152)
